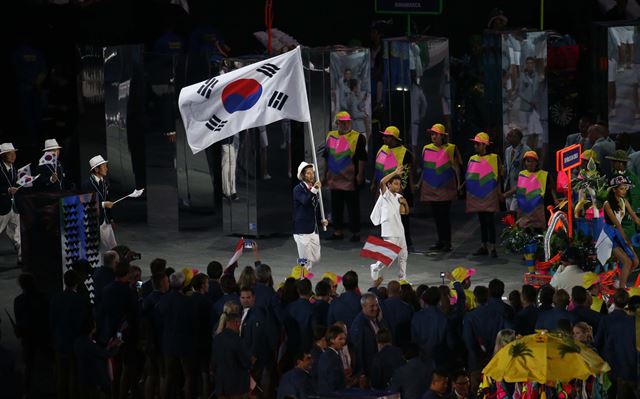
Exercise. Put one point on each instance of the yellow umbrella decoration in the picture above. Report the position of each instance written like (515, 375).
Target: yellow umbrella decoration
(545, 357)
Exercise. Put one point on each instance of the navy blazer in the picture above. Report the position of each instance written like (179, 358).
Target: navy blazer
(616, 344)
(479, 330)
(267, 299)
(8, 179)
(412, 380)
(101, 190)
(151, 322)
(525, 320)
(119, 304)
(305, 210)
(362, 338)
(398, 315)
(320, 313)
(330, 372)
(500, 306)
(430, 331)
(300, 325)
(232, 362)
(588, 315)
(203, 323)
(102, 277)
(215, 290)
(43, 183)
(176, 312)
(385, 363)
(68, 315)
(91, 361)
(31, 310)
(296, 383)
(344, 308)
(548, 319)
(254, 334)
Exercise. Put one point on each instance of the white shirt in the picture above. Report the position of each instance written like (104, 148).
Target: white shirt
(390, 220)
(245, 311)
(567, 277)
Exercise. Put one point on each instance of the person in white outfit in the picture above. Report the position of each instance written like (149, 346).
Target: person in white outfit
(386, 213)
(9, 217)
(97, 183)
(228, 162)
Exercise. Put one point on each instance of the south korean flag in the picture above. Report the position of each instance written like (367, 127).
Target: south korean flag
(253, 96)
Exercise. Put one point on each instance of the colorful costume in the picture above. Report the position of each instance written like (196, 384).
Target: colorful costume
(530, 192)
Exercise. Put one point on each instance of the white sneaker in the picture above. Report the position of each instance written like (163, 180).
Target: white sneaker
(375, 272)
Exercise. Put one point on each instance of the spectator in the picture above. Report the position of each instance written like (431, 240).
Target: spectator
(581, 310)
(297, 382)
(232, 361)
(411, 380)
(321, 303)
(515, 301)
(460, 384)
(347, 306)
(247, 277)
(230, 307)
(229, 293)
(503, 338)
(386, 361)
(68, 316)
(362, 333)
(526, 319)
(332, 376)
(582, 136)
(203, 331)
(254, 335)
(583, 332)
(496, 291)
(157, 265)
(398, 314)
(602, 145)
(299, 326)
(151, 335)
(214, 271)
(319, 346)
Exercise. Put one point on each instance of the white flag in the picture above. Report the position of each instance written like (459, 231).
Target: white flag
(26, 181)
(24, 171)
(252, 96)
(48, 158)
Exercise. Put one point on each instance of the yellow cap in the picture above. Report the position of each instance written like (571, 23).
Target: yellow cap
(530, 154)
(482, 138)
(335, 279)
(438, 128)
(392, 131)
(343, 116)
(188, 276)
(461, 273)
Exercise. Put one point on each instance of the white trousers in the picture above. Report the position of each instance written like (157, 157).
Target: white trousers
(401, 259)
(107, 238)
(10, 224)
(229, 159)
(308, 247)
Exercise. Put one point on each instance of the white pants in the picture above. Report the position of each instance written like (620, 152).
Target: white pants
(401, 259)
(107, 238)
(308, 247)
(10, 224)
(229, 159)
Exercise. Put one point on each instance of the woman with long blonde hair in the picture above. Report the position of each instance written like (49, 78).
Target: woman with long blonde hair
(230, 307)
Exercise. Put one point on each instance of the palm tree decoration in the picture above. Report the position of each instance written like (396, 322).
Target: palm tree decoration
(568, 345)
(520, 349)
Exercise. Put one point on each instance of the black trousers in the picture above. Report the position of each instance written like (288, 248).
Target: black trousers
(340, 198)
(442, 216)
(487, 227)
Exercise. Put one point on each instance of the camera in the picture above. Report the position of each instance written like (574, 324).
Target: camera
(442, 274)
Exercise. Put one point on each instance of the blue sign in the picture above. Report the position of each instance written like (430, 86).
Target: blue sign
(571, 158)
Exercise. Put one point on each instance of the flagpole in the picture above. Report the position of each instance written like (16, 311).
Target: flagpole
(316, 168)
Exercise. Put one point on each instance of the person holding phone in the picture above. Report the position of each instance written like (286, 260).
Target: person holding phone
(306, 216)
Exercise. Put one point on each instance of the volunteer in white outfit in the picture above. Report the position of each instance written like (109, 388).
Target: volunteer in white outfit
(305, 215)
(9, 218)
(98, 184)
(386, 212)
(52, 176)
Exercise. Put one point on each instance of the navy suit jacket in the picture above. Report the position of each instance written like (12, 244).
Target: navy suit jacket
(305, 210)
(44, 183)
(344, 308)
(589, 316)
(91, 363)
(8, 179)
(430, 331)
(525, 320)
(151, 322)
(69, 312)
(203, 322)
(330, 372)
(232, 362)
(616, 343)
(267, 299)
(296, 383)
(119, 304)
(412, 380)
(320, 313)
(101, 190)
(479, 329)
(398, 314)
(215, 291)
(548, 319)
(176, 312)
(300, 325)
(385, 363)
(500, 306)
(254, 334)
(362, 338)
(102, 277)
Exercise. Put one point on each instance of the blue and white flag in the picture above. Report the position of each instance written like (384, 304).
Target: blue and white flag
(252, 96)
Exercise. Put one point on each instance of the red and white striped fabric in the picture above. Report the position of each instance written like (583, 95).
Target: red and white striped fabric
(380, 250)
(237, 252)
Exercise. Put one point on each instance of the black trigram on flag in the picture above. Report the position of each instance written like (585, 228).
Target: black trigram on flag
(268, 69)
(215, 124)
(205, 89)
(277, 100)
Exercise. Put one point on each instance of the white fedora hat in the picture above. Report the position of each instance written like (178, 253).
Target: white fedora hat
(301, 168)
(51, 144)
(97, 161)
(6, 147)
